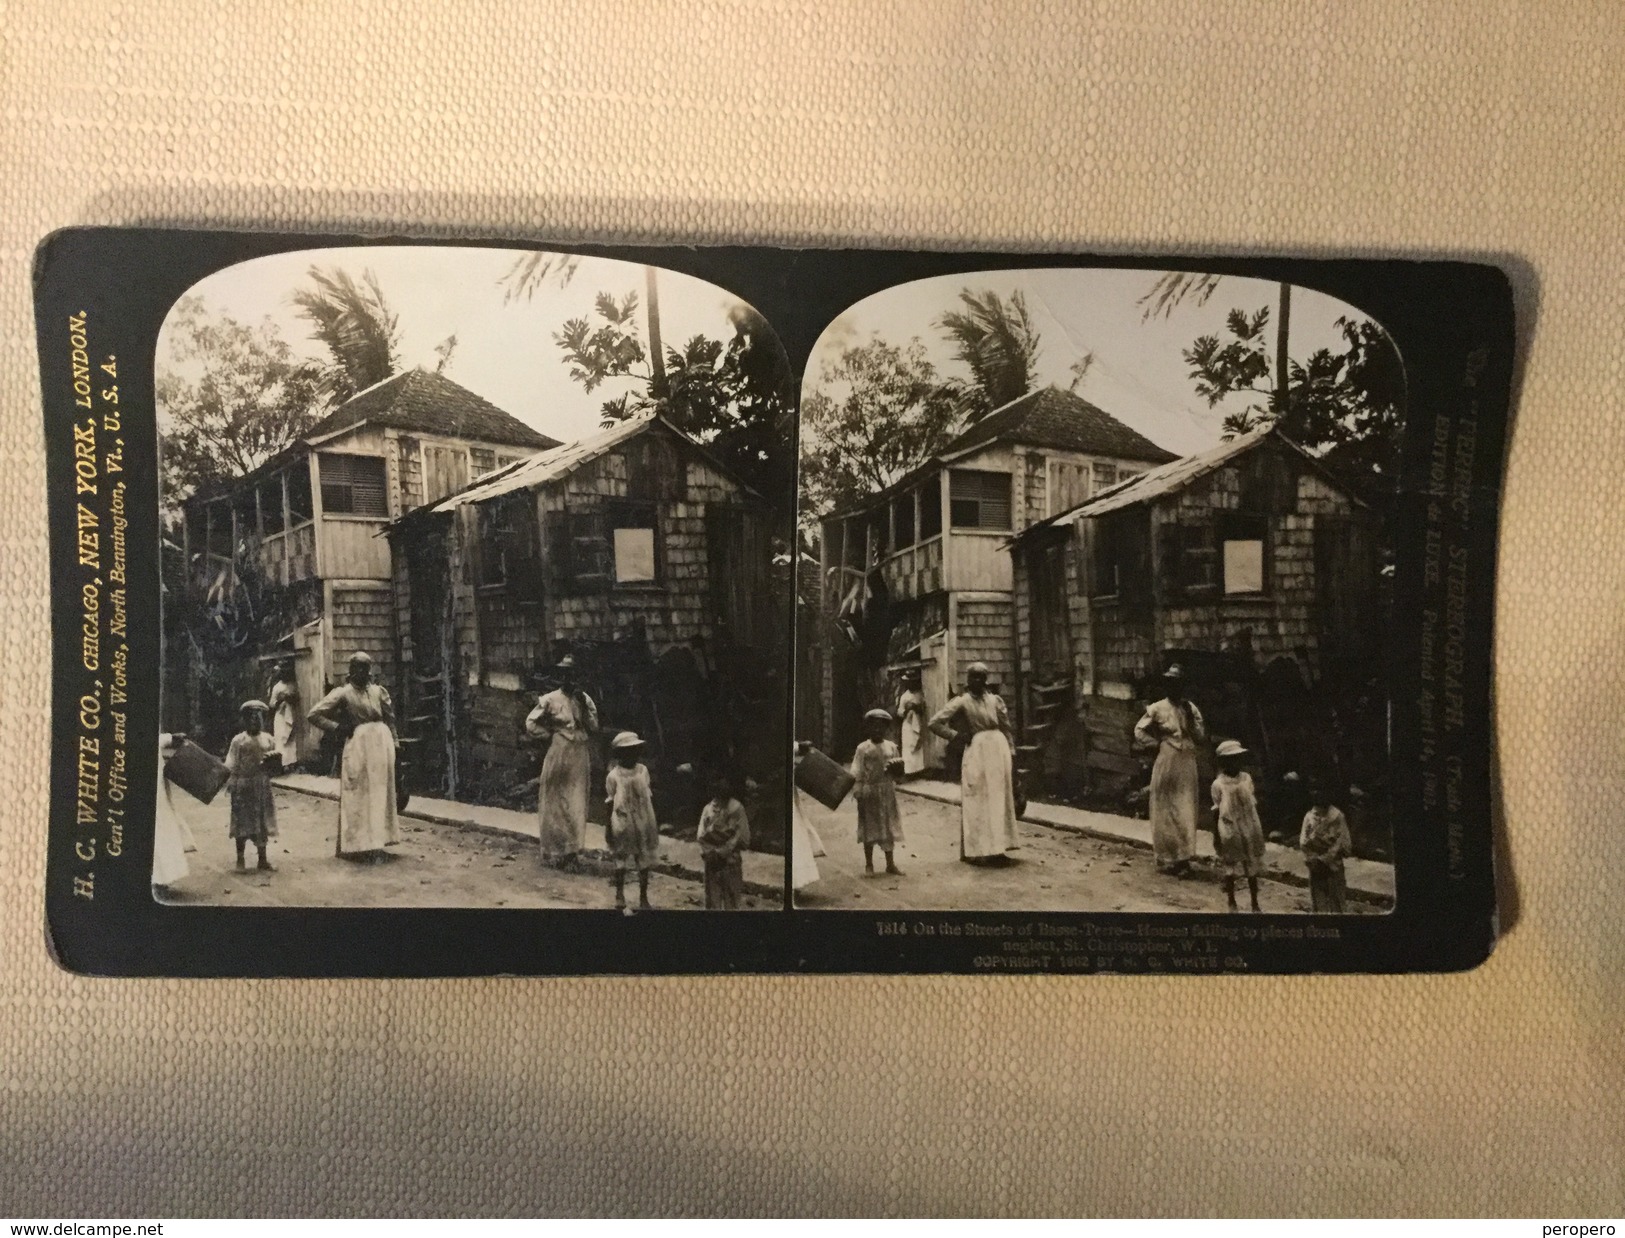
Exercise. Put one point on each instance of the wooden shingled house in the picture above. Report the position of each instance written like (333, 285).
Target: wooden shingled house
(636, 552)
(919, 575)
(1250, 565)
(293, 553)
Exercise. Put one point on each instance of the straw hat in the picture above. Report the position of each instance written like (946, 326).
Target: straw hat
(977, 668)
(566, 663)
(1176, 671)
(259, 705)
(361, 655)
(1230, 748)
(878, 715)
(626, 739)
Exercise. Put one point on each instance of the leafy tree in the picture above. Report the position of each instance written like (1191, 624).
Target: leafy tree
(879, 411)
(230, 397)
(996, 341)
(1346, 406)
(733, 396)
(354, 322)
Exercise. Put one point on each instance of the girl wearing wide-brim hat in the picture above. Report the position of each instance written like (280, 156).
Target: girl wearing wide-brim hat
(253, 809)
(1239, 836)
(875, 766)
(1174, 727)
(633, 832)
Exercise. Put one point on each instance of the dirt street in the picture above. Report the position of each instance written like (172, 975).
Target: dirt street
(433, 866)
(1052, 871)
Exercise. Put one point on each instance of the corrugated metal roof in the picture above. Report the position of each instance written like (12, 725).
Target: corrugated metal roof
(552, 464)
(1164, 480)
(545, 466)
(1171, 478)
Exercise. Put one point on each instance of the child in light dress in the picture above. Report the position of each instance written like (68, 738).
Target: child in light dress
(633, 833)
(1325, 843)
(253, 810)
(723, 836)
(875, 766)
(1239, 834)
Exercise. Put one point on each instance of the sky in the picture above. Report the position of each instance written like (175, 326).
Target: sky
(505, 349)
(1137, 375)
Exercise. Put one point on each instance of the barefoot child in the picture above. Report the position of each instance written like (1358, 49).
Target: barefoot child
(632, 833)
(875, 766)
(253, 811)
(1325, 842)
(1240, 835)
(723, 835)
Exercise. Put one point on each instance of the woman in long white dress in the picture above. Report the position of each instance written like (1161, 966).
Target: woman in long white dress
(1174, 727)
(284, 704)
(361, 712)
(805, 844)
(987, 799)
(169, 830)
(911, 713)
(567, 718)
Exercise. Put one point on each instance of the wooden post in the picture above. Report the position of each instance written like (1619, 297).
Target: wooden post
(657, 357)
(1282, 362)
(318, 550)
(287, 531)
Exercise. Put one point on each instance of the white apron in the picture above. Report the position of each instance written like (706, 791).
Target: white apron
(367, 791)
(804, 846)
(168, 839)
(987, 820)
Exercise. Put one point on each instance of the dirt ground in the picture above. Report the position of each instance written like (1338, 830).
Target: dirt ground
(433, 866)
(1052, 871)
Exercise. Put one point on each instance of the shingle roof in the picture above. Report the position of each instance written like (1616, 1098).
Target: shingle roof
(1051, 417)
(430, 403)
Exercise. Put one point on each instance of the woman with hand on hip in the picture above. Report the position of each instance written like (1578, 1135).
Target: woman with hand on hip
(360, 713)
(567, 718)
(1174, 727)
(987, 800)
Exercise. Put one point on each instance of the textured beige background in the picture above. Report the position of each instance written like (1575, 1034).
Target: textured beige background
(1472, 129)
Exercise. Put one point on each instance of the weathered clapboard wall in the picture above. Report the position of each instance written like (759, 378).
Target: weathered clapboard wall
(1118, 645)
(361, 618)
(552, 597)
(985, 634)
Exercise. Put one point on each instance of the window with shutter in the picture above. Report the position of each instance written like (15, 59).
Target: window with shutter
(931, 507)
(1069, 485)
(634, 535)
(903, 522)
(1105, 477)
(299, 504)
(494, 532)
(978, 499)
(1245, 553)
(1198, 556)
(592, 565)
(353, 485)
(481, 461)
(1122, 567)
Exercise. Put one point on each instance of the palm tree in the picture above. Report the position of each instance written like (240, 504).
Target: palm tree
(996, 341)
(357, 326)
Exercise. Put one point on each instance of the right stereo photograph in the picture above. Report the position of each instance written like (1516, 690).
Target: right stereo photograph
(1096, 577)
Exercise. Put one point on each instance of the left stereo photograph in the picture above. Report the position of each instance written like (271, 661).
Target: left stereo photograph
(451, 615)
